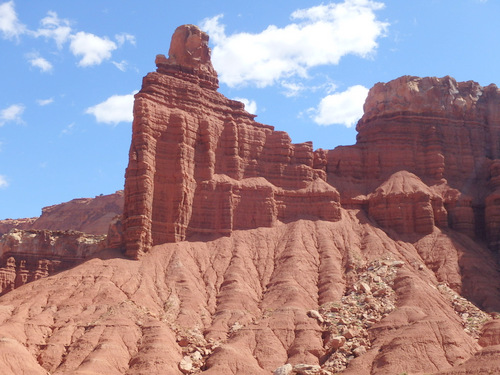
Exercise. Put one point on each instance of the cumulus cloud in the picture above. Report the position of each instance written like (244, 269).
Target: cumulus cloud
(320, 35)
(44, 102)
(115, 109)
(52, 27)
(10, 27)
(250, 105)
(3, 182)
(344, 108)
(90, 48)
(93, 49)
(39, 62)
(12, 114)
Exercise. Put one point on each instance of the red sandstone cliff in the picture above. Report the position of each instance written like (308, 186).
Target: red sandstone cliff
(259, 256)
(199, 163)
(63, 236)
(88, 215)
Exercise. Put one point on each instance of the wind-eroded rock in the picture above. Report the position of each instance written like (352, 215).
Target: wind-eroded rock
(406, 205)
(243, 304)
(398, 280)
(199, 163)
(28, 255)
(89, 215)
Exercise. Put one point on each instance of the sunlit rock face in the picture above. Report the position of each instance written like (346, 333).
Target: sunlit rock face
(254, 255)
(199, 163)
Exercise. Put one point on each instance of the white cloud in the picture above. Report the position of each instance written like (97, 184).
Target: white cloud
(93, 49)
(292, 89)
(52, 27)
(115, 109)
(124, 37)
(321, 35)
(39, 62)
(9, 24)
(250, 105)
(12, 114)
(122, 65)
(43, 102)
(344, 108)
(3, 182)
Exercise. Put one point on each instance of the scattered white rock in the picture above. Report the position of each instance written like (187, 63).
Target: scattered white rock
(304, 369)
(284, 370)
(196, 356)
(365, 288)
(316, 315)
(186, 365)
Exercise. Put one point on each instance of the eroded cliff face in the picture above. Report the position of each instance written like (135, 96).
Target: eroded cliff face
(199, 163)
(88, 215)
(259, 256)
(63, 236)
(444, 132)
(28, 255)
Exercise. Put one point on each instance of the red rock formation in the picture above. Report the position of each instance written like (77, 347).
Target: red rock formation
(398, 280)
(199, 163)
(39, 253)
(8, 224)
(242, 304)
(58, 246)
(89, 215)
(444, 132)
(406, 205)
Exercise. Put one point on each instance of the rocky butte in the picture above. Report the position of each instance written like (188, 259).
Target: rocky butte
(243, 253)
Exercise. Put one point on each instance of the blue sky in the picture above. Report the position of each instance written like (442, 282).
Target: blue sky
(68, 71)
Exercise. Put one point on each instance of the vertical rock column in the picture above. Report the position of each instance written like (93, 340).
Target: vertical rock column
(139, 184)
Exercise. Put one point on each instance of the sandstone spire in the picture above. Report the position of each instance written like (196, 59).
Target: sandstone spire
(199, 163)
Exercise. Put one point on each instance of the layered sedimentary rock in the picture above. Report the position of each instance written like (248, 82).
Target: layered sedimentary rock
(444, 132)
(321, 295)
(89, 215)
(28, 255)
(405, 204)
(199, 163)
(397, 280)
(55, 241)
(7, 224)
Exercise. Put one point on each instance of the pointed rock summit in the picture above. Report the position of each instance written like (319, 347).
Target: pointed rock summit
(189, 53)
(199, 164)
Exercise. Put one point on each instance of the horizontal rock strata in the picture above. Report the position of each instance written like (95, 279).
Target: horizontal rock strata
(199, 163)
